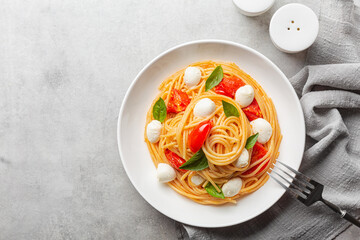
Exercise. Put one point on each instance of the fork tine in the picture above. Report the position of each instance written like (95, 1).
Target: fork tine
(292, 184)
(293, 191)
(294, 171)
(302, 182)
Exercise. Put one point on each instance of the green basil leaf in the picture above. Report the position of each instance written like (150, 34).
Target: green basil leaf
(230, 110)
(214, 79)
(213, 192)
(197, 162)
(250, 142)
(159, 110)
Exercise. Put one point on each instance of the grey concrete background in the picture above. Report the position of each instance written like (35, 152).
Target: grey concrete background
(64, 68)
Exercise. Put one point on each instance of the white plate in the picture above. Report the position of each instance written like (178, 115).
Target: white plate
(136, 158)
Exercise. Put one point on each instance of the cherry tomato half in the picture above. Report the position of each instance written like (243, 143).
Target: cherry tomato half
(178, 101)
(228, 86)
(258, 152)
(253, 111)
(174, 160)
(198, 135)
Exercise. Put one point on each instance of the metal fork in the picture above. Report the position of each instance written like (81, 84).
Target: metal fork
(306, 190)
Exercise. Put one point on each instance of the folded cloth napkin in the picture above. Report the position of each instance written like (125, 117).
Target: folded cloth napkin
(329, 91)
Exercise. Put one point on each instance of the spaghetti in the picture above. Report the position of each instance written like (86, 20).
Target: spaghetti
(224, 143)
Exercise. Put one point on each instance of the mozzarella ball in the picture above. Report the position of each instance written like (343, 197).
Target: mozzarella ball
(192, 76)
(232, 187)
(244, 96)
(262, 127)
(197, 180)
(153, 131)
(165, 173)
(243, 159)
(205, 107)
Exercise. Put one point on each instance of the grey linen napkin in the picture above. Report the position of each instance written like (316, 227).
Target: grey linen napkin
(329, 91)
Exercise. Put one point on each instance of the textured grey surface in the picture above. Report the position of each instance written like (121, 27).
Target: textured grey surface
(64, 69)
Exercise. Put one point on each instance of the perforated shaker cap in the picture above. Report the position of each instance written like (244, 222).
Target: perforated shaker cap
(253, 7)
(293, 28)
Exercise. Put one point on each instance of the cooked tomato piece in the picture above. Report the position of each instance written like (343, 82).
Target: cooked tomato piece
(175, 160)
(178, 101)
(198, 135)
(258, 152)
(253, 111)
(255, 167)
(228, 86)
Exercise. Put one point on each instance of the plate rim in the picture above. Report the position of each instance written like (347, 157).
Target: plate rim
(202, 41)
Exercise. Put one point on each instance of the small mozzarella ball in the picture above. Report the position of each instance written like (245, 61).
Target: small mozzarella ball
(244, 96)
(153, 131)
(192, 76)
(197, 180)
(204, 107)
(232, 187)
(243, 159)
(262, 127)
(165, 173)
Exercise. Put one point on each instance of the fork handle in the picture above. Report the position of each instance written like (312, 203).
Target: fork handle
(342, 213)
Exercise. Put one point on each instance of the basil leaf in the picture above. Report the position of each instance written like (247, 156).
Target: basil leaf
(197, 162)
(229, 109)
(159, 110)
(250, 142)
(213, 192)
(214, 79)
